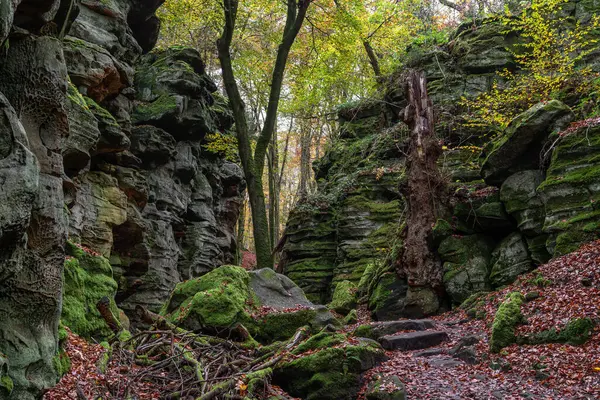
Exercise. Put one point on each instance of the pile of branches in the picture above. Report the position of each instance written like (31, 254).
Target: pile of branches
(180, 364)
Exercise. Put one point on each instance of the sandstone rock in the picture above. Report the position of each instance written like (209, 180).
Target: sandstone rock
(509, 260)
(520, 145)
(466, 265)
(571, 191)
(413, 340)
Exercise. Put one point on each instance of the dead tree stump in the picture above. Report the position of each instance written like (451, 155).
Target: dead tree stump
(424, 194)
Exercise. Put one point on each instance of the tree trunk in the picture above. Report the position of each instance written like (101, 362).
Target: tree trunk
(305, 142)
(253, 164)
(274, 190)
(423, 192)
(241, 232)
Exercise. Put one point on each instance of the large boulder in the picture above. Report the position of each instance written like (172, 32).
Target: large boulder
(509, 260)
(324, 367)
(270, 306)
(466, 265)
(520, 145)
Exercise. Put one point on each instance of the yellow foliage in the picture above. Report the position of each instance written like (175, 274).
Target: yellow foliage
(549, 58)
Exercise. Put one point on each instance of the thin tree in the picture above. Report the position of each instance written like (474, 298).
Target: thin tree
(254, 163)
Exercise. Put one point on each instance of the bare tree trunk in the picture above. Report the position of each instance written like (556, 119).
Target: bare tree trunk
(423, 193)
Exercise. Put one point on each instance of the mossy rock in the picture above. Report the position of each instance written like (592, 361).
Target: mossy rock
(387, 299)
(228, 296)
(505, 321)
(88, 278)
(328, 373)
(344, 297)
(576, 332)
(466, 265)
(509, 260)
(518, 148)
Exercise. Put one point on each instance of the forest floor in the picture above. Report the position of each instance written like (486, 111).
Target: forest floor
(567, 288)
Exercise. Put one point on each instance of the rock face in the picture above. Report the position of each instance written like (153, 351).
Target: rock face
(516, 197)
(101, 146)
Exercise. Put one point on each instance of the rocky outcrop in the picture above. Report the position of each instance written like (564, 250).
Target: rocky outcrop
(516, 197)
(89, 154)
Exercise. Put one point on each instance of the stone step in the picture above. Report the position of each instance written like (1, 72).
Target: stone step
(384, 328)
(413, 340)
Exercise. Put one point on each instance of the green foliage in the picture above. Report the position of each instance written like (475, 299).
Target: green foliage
(549, 57)
(222, 144)
(505, 321)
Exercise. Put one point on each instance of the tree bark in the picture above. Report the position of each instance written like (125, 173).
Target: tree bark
(373, 60)
(253, 164)
(424, 193)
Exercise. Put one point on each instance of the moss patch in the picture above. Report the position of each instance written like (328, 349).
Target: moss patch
(577, 331)
(87, 279)
(344, 297)
(505, 321)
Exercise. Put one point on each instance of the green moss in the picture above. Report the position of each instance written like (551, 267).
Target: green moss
(321, 340)
(505, 321)
(76, 97)
(282, 325)
(332, 373)
(576, 332)
(149, 111)
(6, 384)
(87, 279)
(441, 230)
(104, 359)
(365, 331)
(61, 362)
(351, 318)
(100, 113)
(124, 335)
(216, 300)
(344, 297)
(256, 380)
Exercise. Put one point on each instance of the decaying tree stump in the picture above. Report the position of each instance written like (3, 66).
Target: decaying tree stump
(424, 193)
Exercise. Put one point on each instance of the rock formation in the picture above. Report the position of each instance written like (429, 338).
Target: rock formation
(514, 201)
(102, 160)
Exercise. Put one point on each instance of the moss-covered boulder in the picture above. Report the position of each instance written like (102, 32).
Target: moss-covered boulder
(388, 298)
(270, 306)
(330, 370)
(88, 278)
(509, 260)
(505, 321)
(344, 297)
(466, 265)
(518, 147)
